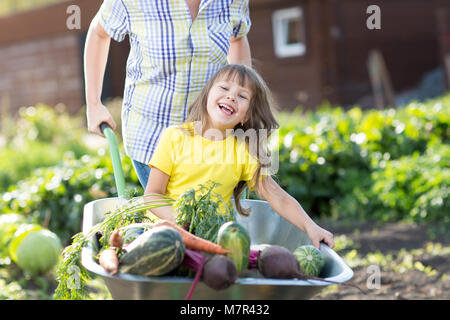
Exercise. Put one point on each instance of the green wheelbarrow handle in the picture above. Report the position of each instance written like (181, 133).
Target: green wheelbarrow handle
(115, 156)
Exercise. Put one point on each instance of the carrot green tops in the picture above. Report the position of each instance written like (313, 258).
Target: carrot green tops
(191, 160)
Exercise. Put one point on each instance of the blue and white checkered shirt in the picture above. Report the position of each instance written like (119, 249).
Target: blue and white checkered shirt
(171, 59)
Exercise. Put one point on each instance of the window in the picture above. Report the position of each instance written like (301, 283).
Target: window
(289, 32)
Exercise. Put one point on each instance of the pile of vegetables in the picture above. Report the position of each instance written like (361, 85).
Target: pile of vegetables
(127, 242)
(200, 213)
(70, 273)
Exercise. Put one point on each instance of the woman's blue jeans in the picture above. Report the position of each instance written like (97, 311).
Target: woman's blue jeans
(142, 171)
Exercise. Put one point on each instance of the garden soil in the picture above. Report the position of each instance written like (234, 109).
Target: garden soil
(410, 284)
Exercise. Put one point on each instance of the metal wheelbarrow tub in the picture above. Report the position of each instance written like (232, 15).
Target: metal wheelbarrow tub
(265, 227)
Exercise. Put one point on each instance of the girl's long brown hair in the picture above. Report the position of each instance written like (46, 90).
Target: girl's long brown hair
(260, 113)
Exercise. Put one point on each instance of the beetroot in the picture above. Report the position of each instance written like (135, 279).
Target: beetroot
(195, 261)
(219, 272)
(279, 263)
(253, 259)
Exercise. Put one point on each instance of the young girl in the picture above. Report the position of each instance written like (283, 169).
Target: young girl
(212, 146)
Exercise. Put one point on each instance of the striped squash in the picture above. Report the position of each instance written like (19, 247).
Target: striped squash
(156, 252)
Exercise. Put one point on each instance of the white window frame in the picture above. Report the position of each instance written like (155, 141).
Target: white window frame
(280, 18)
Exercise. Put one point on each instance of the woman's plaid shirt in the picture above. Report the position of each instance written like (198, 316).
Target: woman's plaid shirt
(171, 58)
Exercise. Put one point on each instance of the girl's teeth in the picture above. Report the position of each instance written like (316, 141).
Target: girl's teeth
(225, 107)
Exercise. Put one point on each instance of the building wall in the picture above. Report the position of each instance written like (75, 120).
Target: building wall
(293, 80)
(443, 18)
(407, 40)
(46, 70)
(41, 59)
(338, 46)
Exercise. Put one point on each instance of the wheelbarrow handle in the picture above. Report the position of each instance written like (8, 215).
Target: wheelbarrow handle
(115, 156)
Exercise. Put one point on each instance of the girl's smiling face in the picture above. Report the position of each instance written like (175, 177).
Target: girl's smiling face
(227, 104)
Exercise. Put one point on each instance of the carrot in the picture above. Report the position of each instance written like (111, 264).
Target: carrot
(115, 239)
(109, 260)
(193, 242)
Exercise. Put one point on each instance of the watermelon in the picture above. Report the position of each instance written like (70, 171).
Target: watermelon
(310, 260)
(156, 252)
(235, 238)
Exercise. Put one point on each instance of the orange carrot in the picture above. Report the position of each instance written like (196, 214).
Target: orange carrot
(109, 260)
(193, 242)
(115, 240)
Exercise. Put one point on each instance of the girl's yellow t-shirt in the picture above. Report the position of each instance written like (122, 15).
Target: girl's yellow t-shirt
(191, 160)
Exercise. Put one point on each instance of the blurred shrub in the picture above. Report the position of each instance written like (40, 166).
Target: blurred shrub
(318, 159)
(55, 196)
(50, 167)
(40, 136)
(412, 188)
(386, 164)
(415, 187)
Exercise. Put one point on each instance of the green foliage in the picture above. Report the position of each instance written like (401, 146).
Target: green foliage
(415, 187)
(49, 168)
(17, 164)
(200, 210)
(70, 274)
(315, 157)
(400, 261)
(39, 137)
(14, 285)
(55, 196)
(9, 223)
(386, 164)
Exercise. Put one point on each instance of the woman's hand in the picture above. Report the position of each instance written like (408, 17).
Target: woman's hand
(96, 114)
(318, 234)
